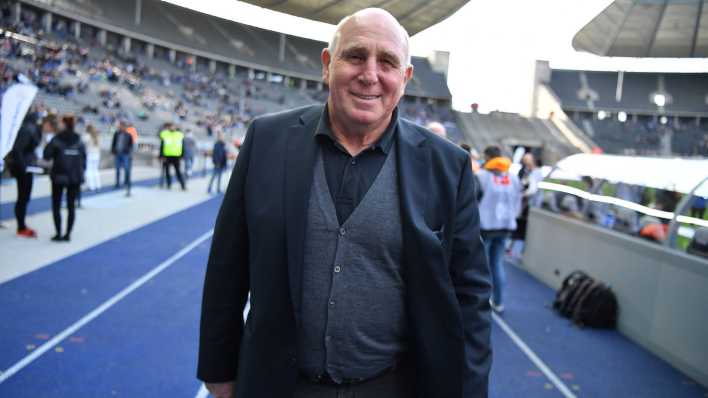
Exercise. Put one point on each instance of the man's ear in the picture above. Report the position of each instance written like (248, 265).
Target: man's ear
(326, 60)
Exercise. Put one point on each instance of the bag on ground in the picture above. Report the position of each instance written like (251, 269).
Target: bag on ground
(586, 302)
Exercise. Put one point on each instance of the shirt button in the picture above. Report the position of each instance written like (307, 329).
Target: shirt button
(328, 338)
(342, 231)
(331, 302)
(337, 268)
(353, 161)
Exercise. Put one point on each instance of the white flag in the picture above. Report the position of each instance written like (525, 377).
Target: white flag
(15, 102)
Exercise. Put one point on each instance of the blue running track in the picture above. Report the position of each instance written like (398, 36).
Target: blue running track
(146, 344)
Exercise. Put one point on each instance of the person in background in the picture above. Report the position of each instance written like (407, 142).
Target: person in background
(190, 150)
(498, 209)
(474, 157)
(437, 129)
(218, 157)
(161, 183)
(21, 156)
(67, 153)
(698, 206)
(171, 151)
(474, 165)
(132, 131)
(93, 158)
(529, 177)
(122, 149)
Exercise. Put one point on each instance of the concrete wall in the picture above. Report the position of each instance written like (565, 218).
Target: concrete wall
(662, 293)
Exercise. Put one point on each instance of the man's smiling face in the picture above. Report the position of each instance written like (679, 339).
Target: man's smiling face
(367, 73)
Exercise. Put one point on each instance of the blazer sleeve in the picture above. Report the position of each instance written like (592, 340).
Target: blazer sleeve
(226, 283)
(471, 280)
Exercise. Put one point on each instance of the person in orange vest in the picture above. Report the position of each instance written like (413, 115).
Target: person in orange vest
(133, 133)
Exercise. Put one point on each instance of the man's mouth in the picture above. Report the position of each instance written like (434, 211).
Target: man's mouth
(366, 97)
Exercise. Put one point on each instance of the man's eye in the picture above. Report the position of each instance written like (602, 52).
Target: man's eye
(388, 62)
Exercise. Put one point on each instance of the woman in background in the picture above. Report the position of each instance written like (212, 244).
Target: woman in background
(20, 158)
(68, 155)
(93, 158)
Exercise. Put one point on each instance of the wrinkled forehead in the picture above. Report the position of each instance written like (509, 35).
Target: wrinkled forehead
(373, 31)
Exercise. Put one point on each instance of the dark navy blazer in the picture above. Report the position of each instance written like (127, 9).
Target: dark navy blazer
(258, 248)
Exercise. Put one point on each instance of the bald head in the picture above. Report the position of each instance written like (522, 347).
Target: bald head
(438, 129)
(375, 16)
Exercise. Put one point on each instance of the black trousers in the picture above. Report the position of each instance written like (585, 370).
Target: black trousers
(396, 383)
(175, 163)
(57, 192)
(24, 191)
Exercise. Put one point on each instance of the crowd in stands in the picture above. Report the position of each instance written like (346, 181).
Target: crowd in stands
(637, 113)
(646, 136)
(149, 92)
(624, 219)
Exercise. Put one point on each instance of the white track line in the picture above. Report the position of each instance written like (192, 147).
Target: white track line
(101, 309)
(534, 358)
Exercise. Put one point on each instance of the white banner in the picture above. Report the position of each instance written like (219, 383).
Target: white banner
(15, 102)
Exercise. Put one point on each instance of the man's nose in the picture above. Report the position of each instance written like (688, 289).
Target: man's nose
(369, 74)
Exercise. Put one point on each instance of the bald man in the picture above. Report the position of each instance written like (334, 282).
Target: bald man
(356, 234)
(437, 129)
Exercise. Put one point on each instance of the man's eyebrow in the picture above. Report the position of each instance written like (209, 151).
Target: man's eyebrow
(354, 49)
(389, 56)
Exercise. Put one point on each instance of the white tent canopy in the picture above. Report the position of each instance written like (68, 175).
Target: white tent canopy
(675, 174)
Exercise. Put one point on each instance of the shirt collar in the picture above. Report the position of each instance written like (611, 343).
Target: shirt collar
(384, 142)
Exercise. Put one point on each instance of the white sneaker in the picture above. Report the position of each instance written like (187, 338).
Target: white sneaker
(496, 308)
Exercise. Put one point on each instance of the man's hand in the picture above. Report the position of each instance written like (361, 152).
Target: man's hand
(221, 390)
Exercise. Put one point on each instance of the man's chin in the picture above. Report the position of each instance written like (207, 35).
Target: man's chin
(365, 117)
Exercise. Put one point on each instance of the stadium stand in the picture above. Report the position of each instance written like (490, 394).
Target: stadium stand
(247, 72)
(168, 76)
(509, 130)
(597, 101)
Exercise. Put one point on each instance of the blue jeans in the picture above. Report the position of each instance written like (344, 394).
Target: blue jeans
(188, 163)
(216, 174)
(123, 161)
(494, 246)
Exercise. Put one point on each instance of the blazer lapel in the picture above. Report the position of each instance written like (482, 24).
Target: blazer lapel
(299, 166)
(414, 179)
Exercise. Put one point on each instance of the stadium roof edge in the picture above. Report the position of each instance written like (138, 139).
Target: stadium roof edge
(414, 15)
(647, 29)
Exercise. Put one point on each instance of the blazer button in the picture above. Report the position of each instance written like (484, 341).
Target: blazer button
(293, 361)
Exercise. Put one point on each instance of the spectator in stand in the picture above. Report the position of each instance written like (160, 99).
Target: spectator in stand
(218, 157)
(68, 155)
(171, 151)
(21, 157)
(122, 149)
(93, 158)
(698, 206)
(190, 149)
(498, 209)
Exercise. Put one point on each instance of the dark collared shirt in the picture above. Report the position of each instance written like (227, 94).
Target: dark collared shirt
(350, 177)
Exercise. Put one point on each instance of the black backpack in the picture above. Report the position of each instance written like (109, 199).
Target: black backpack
(586, 302)
(568, 291)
